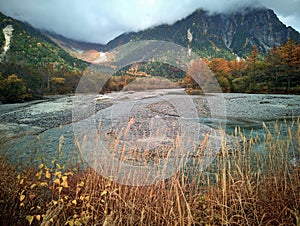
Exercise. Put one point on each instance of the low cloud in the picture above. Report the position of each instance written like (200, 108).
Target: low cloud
(100, 21)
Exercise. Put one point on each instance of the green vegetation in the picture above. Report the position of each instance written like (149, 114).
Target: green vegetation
(37, 62)
(211, 53)
(12, 88)
(278, 72)
(30, 47)
(40, 67)
(36, 82)
(244, 187)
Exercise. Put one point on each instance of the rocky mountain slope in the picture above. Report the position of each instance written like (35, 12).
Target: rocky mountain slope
(220, 34)
(22, 44)
(32, 65)
(213, 35)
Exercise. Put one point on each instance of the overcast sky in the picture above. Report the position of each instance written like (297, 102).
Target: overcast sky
(100, 21)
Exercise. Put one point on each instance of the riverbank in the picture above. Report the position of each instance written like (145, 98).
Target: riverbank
(33, 130)
(54, 111)
(242, 188)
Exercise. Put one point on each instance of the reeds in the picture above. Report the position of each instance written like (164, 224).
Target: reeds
(244, 187)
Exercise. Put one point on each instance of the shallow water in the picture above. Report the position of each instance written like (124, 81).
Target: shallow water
(32, 144)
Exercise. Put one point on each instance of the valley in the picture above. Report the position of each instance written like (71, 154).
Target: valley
(149, 113)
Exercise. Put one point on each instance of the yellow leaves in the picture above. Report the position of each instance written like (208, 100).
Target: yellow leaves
(82, 198)
(74, 202)
(41, 166)
(39, 174)
(69, 174)
(56, 181)
(43, 184)
(59, 167)
(58, 174)
(48, 175)
(38, 217)
(58, 80)
(22, 197)
(111, 178)
(104, 193)
(54, 202)
(61, 180)
(81, 184)
(107, 185)
(30, 219)
(65, 182)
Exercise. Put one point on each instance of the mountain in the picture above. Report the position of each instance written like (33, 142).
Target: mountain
(35, 62)
(31, 64)
(214, 35)
(220, 34)
(28, 46)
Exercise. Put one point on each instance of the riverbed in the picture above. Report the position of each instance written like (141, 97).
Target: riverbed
(46, 130)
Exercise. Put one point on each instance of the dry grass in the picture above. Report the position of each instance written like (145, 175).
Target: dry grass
(241, 188)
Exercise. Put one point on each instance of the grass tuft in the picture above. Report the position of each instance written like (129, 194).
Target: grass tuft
(244, 187)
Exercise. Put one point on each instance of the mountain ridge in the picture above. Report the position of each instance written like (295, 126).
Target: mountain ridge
(30, 44)
(214, 35)
(235, 31)
(32, 65)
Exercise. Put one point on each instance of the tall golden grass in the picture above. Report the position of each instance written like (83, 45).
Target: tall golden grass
(244, 187)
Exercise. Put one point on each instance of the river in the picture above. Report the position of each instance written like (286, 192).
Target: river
(43, 131)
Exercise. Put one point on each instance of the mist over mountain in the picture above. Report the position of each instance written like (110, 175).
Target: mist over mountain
(30, 47)
(49, 63)
(32, 65)
(220, 34)
(102, 21)
(214, 35)
(227, 35)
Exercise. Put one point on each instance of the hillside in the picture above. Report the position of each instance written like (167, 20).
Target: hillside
(220, 35)
(214, 35)
(34, 62)
(40, 65)
(30, 47)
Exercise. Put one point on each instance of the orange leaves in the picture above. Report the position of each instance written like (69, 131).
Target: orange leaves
(220, 64)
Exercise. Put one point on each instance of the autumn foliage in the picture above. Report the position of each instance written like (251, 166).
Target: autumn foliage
(278, 72)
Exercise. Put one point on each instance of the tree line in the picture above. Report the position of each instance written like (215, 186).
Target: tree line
(20, 83)
(278, 72)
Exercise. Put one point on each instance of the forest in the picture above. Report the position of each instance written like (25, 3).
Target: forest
(278, 72)
(19, 83)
